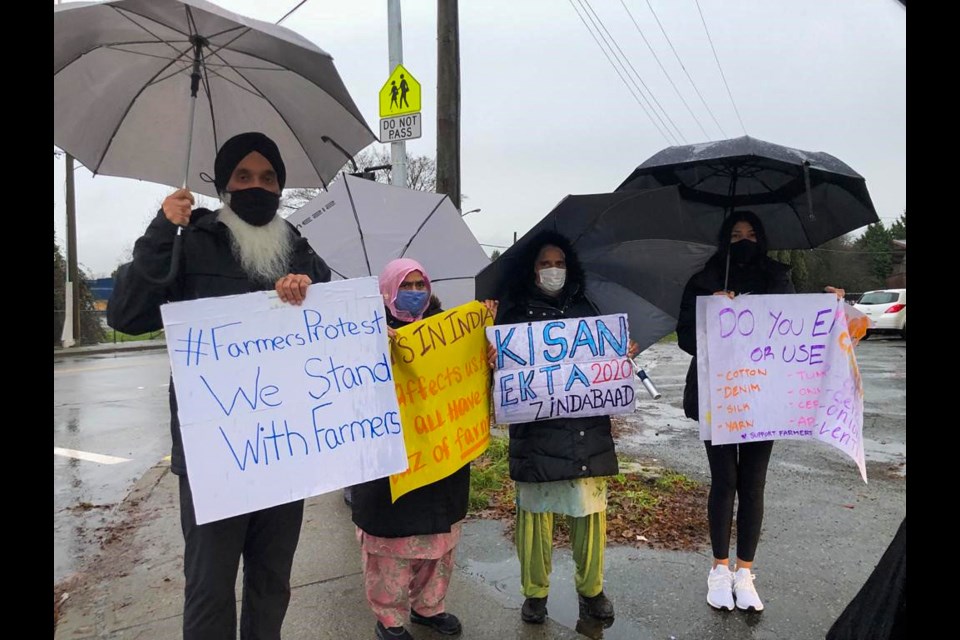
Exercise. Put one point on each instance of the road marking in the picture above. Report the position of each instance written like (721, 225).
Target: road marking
(90, 457)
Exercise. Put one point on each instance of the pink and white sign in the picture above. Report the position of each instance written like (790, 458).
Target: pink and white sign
(780, 366)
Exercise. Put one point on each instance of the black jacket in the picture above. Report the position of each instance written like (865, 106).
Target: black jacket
(431, 509)
(208, 268)
(764, 276)
(564, 448)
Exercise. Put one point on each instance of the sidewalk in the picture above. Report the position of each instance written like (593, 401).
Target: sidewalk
(109, 347)
(136, 591)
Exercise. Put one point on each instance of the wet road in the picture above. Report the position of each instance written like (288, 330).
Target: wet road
(110, 424)
(824, 529)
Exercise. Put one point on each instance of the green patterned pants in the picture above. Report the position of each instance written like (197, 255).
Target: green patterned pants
(534, 539)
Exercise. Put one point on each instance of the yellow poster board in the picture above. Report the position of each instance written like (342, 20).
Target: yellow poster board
(400, 94)
(443, 389)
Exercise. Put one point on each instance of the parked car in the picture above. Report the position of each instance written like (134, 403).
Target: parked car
(887, 308)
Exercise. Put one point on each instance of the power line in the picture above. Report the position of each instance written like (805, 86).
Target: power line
(627, 60)
(662, 68)
(715, 57)
(622, 79)
(692, 83)
(671, 138)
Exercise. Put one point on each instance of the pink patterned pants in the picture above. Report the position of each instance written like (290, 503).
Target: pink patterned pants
(395, 585)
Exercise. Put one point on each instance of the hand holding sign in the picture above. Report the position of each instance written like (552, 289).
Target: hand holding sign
(279, 402)
(443, 389)
(565, 367)
(779, 366)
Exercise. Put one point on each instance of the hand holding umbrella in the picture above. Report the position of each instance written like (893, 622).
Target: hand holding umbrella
(178, 206)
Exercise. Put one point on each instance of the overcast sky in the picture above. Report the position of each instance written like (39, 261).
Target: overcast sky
(544, 113)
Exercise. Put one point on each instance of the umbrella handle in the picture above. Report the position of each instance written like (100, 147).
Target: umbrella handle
(647, 383)
(174, 262)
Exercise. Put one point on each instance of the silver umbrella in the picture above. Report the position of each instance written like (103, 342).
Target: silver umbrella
(150, 89)
(359, 225)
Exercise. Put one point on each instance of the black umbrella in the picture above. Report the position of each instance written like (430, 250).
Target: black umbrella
(803, 198)
(638, 249)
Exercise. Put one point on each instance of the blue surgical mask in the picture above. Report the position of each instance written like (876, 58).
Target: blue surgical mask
(413, 302)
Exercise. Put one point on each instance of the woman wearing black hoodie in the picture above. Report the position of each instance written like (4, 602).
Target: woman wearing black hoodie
(560, 466)
(740, 266)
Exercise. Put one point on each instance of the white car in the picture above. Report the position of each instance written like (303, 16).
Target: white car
(887, 308)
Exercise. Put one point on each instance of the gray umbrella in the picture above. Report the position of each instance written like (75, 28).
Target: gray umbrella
(637, 249)
(359, 225)
(803, 198)
(150, 89)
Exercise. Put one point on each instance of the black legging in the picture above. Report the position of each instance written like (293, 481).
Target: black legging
(737, 470)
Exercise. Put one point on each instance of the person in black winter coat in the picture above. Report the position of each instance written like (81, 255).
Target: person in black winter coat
(407, 547)
(240, 248)
(560, 466)
(739, 267)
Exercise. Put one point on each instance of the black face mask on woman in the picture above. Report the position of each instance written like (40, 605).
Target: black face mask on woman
(255, 206)
(744, 251)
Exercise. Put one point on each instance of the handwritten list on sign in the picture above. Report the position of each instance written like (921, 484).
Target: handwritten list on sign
(280, 402)
(572, 367)
(443, 388)
(779, 366)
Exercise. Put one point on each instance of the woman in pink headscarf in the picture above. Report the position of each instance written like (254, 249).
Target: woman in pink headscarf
(407, 546)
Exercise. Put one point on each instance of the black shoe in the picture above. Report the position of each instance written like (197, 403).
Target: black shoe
(392, 633)
(599, 606)
(445, 623)
(534, 610)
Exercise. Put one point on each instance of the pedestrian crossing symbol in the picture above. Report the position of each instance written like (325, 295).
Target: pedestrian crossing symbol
(400, 94)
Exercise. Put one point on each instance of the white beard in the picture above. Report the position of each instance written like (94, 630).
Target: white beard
(264, 252)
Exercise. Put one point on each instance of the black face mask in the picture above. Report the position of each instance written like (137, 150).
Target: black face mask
(744, 251)
(255, 206)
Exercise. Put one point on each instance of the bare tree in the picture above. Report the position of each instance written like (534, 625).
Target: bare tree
(421, 176)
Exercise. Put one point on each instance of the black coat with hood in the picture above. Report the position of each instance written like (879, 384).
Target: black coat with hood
(208, 268)
(564, 448)
(431, 509)
(759, 275)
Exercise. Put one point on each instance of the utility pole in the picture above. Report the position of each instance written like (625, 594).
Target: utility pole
(71, 307)
(398, 150)
(448, 100)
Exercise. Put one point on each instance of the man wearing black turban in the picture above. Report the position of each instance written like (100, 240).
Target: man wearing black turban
(244, 246)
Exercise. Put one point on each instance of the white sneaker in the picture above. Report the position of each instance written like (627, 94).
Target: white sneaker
(720, 588)
(745, 592)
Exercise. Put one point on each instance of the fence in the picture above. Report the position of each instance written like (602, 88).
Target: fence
(101, 316)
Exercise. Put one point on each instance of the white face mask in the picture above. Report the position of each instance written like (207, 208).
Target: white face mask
(552, 280)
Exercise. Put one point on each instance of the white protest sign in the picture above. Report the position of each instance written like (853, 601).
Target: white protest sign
(779, 366)
(279, 402)
(572, 367)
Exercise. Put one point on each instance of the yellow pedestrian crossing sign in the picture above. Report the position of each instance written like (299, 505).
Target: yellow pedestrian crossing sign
(400, 94)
